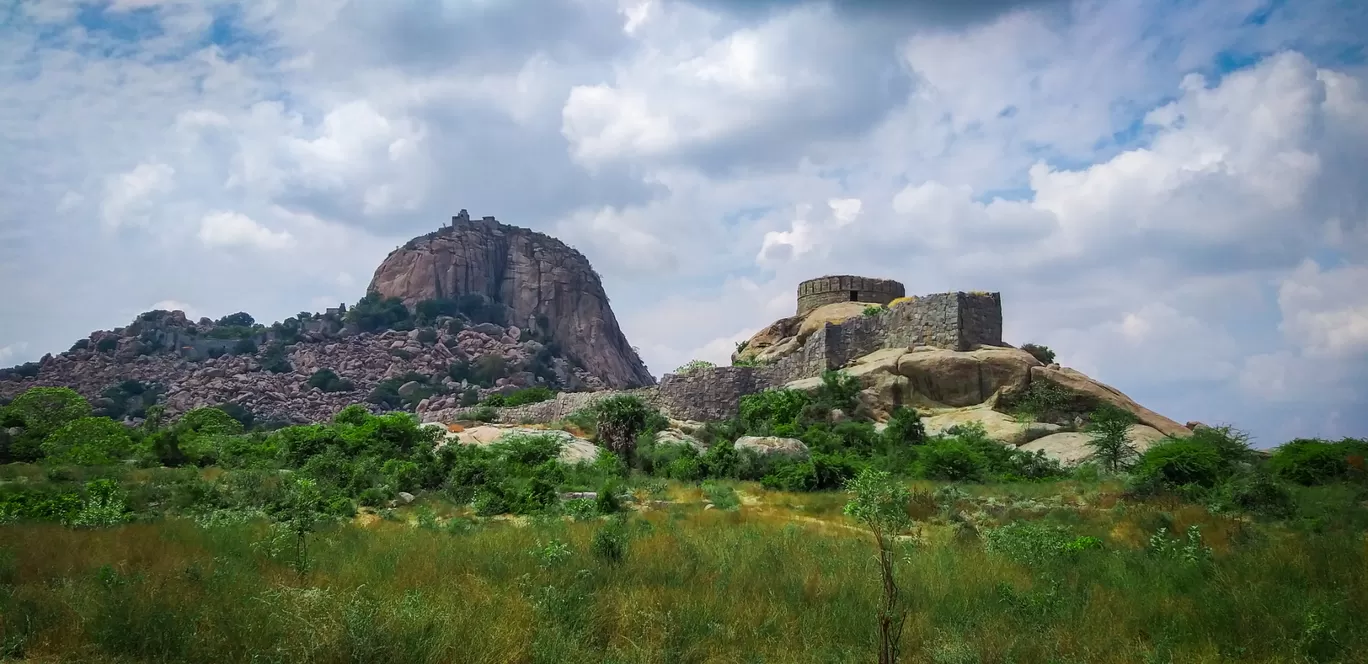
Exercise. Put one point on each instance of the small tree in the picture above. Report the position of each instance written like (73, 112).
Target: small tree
(1042, 353)
(305, 503)
(881, 505)
(1107, 436)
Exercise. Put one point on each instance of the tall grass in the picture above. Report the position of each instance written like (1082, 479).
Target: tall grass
(694, 586)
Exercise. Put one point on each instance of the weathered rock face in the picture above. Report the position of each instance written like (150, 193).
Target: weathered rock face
(194, 366)
(545, 285)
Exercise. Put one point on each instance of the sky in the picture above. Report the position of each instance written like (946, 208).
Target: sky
(1171, 194)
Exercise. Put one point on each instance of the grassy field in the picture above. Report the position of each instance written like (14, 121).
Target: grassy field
(778, 577)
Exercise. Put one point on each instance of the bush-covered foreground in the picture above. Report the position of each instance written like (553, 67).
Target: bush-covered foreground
(1064, 572)
(365, 540)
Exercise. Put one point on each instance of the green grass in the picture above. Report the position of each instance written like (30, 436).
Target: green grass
(782, 578)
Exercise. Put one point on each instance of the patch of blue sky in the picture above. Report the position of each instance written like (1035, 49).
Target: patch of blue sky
(745, 215)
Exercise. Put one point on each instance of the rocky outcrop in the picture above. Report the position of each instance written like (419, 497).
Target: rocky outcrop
(544, 285)
(267, 370)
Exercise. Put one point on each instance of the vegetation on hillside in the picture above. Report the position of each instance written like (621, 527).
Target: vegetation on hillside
(371, 538)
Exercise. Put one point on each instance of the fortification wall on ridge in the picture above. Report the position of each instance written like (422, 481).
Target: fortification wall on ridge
(956, 321)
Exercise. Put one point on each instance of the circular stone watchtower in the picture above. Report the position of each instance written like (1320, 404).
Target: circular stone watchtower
(814, 293)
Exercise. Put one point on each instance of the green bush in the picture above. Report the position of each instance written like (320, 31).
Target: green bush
(275, 359)
(773, 412)
(428, 311)
(328, 381)
(245, 347)
(951, 459)
(107, 344)
(1040, 352)
(692, 366)
(529, 395)
(619, 420)
(820, 472)
(1180, 462)
(89, 441)
(1311, 461)
(1257, 492)
(484, 414)
(373, 313)
(904, 428)
(40, 411)
(610, 541)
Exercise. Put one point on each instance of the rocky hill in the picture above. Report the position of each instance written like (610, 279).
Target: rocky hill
(474, 309)
(544, 285)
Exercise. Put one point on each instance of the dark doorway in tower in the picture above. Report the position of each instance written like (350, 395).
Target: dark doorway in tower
(854, 296)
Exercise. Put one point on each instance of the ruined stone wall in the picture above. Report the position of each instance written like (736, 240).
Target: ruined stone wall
(710, 394)
(946, 320)
(551, 410)
(980, 319)
(814, 293)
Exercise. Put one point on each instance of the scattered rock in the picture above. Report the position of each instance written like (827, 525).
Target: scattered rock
(405, 497)
(673, 437)
(773, 446)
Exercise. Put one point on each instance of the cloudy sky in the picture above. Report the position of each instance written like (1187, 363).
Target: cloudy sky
(1171, 194)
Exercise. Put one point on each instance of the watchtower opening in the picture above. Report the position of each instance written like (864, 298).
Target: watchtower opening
(854, 296)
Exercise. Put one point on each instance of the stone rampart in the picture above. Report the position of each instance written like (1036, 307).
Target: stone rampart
(956, 321)
(551, 410)
(814, 293)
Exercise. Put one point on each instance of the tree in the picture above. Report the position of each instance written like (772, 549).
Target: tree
(1042, 353)
(1107, 436)
(692, 366)
(619, 420)
(305, 504)
(41, 411)
(89, 441)
(239, 319)
(880, 504)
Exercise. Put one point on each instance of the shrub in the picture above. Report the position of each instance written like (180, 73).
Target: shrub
(1034, 544)
(1181, 462)
(373, 313)
(692, 366)
(487, 369)
(837, 391)
(872, 310)
(608, 499)
(470, 397)
(951, 459)
(529, 395)
(245, 347)
(821, 472)
(773, 412)
(619, 420)
(427, 336)
(428, 311)
(328, 381)
(1046, 401)
(89, 441)
(239, 319)
(1310, 461)
(484, 414)
(275, 360)
(904, 428)
(209, 420)
(1107, 437)
(1256, 492)
(40, 411)
(1040, 352)
(722, 497)
(107, 344)
(495, 400)
(610, 542)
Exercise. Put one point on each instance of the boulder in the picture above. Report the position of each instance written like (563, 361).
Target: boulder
(673, 437)
(999, 426)
(405, 497)
(773, 446)
(1071, 448)
(828, 313)
(776, 332)
(573, 450)
(959, 379)
(1081, 384)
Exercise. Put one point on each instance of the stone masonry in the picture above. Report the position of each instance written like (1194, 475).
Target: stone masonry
(957, 321)
(814, 293)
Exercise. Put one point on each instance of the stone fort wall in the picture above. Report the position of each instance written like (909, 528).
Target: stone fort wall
(814, 293)
(956, 321)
